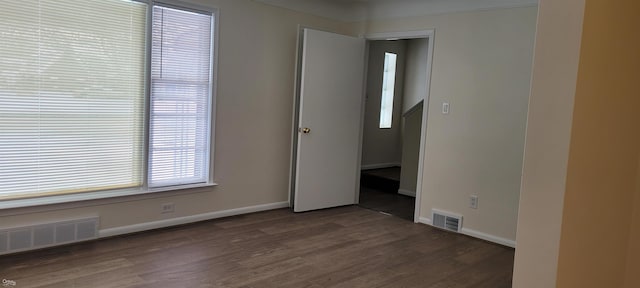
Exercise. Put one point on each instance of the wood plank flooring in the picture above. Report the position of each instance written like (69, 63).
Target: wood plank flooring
(340, 247)
(392, 203)
(391, 173)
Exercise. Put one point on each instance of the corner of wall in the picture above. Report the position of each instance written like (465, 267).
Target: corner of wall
(553, 88)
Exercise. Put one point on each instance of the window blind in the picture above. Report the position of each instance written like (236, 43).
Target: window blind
(180, 95)
(72, 84)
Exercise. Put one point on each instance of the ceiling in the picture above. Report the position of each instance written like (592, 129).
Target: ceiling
(362, 10)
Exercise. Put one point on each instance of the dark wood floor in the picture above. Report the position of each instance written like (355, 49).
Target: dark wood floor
(392, 173)
(379, 192)
(392, 203)
(341, 247)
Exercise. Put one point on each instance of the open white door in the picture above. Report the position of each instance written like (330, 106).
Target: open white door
(329, 120)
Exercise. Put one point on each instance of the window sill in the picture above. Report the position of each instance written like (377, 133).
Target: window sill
(98, 195)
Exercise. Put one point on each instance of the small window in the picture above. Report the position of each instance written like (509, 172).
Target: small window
(181, 84)
(388, 89)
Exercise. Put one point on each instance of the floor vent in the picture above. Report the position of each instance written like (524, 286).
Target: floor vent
(446, 221)
(25, 238)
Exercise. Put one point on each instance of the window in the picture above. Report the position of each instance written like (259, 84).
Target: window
(75, 92)
(388, 88)
(180, 94)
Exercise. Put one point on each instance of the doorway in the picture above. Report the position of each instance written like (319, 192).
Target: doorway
(314, 171)
(397, 93)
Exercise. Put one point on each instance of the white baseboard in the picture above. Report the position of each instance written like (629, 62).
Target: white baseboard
(379, 166)
(488, 237)
(188, 219)
(476, 234)
(407, 192)
(425, 220)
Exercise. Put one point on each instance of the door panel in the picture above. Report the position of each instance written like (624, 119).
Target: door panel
(330, 106)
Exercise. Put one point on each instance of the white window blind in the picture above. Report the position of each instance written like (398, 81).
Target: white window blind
(72, 84)
(388, 89)
(180, 96)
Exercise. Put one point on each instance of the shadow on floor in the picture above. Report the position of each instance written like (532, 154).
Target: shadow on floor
(379, 192)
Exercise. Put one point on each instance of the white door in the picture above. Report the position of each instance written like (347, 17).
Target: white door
(329, 120)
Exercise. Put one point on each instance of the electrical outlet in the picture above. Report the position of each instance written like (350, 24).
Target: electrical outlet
(167, 208)
(473, 201)
(445, 108)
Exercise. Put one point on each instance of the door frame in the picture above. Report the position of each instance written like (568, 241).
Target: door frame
(428, 34)
(404, 35)
(296, 115)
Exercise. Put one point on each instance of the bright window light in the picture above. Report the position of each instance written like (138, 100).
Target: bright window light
(74, 101)
(180, 95)
(388, 88)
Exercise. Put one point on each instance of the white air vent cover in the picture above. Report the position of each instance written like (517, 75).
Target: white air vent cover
(446, 221)
(31, 237)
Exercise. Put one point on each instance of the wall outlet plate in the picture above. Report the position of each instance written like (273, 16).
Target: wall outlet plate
(473, 201)
(167, 208)
(445, 108)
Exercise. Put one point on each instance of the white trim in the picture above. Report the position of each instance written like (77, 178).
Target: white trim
(186, 6)
(379, 166)
(399, 35)
(425, 220)
(488, 237)
(213, 106)
(363, 105)
(76, 200)
(407, 192)
(109, 232)
(423, 127)
(430, 36)
(295, 119)
(476, 234)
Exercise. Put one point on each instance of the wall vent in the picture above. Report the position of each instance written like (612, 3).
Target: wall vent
(18, 239)
(446, 221)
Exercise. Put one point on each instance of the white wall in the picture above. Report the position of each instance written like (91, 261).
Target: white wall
(383, 146)
(603, 151)
(253, 128)
(354, 11)
(415, 91)
(555, 73)
(411, 133)
(482, 66)
(415, 83)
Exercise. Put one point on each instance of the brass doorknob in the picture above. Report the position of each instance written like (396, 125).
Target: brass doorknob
(305, 130)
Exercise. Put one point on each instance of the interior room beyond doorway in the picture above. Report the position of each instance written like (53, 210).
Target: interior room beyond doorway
(395, 92)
